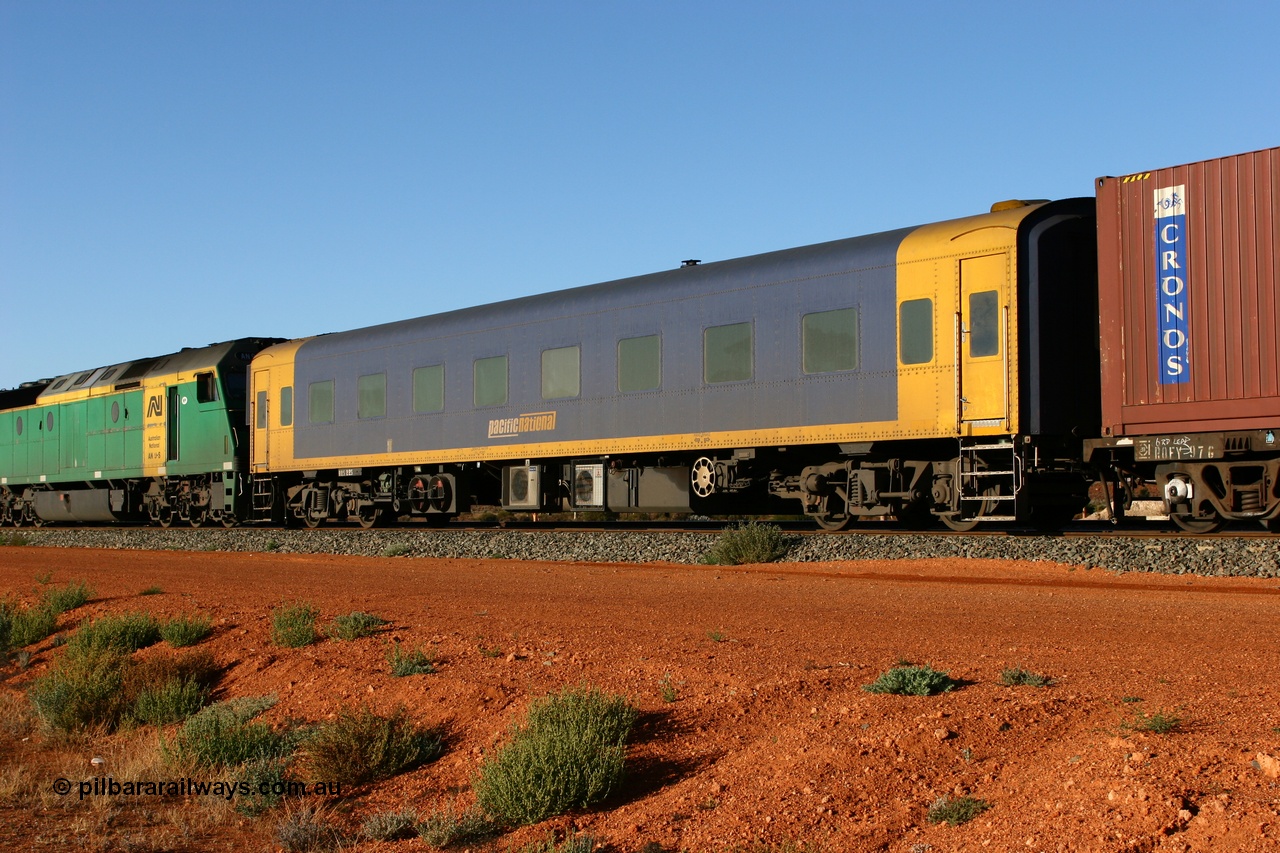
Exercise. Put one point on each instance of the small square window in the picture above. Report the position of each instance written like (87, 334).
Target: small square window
(726, 353)
(428, 389)
(320, 402)
(915, 331)
(490, 381)
(372, 396)
(640, 363)
(830, 340)
(561, 373)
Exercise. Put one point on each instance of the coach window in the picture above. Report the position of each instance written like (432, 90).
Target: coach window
(286, 406)
(428, 388)
(726, 353)
(984, 323)
(320, 402)
(371, 393)
(260, 410)
(640, 363)
(829, 340)
(915, 331)
(206, 388)
(561, 373)
(489, 377)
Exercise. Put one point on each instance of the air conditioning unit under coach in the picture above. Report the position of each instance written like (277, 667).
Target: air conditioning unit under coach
(522, 487)
(587, 485)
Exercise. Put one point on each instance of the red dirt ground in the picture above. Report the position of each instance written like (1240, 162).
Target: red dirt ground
(771, 739)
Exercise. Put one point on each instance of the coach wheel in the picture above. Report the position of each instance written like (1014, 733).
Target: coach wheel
(987, 507)
(833, 522)
(313, 522)
(1211, 524)
(367, 516)
(703, 477)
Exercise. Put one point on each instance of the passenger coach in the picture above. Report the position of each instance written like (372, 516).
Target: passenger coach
(943, 371)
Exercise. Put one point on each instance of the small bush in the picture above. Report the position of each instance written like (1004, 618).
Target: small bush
(1018, 677)
(391, 826)
(361, 746)
(67, 598)
(1160, 723)
(184, 630)
(175, 700)
(223, 735)
(954, 811)
(303, 831)
(30, 625)
(355, 625)
(447, 827)
(416, 662)
(261, 776)
(151, 590)
(572, 844)
(82, 690)
(569, 754)
(751, 542)
(127, 632)
(294, 625)
(396, 550)
(911, 681)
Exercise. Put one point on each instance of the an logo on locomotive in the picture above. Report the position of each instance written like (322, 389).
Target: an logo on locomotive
(520, 424)
(155, 406)
(1171, 285)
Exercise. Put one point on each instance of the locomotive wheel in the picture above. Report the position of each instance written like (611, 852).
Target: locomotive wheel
(1199, 525)
(166, 517)
(229, 520)
(196, 519)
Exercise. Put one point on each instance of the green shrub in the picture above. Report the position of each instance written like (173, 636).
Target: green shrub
(447, 827)
(355, 625)
(303, 831)
(81, 690)
(391, 826)
(954, 811)
(396, 550)
(568, 754)
(261, 776)
(416, 662)
(911, 681)
(30, 625)
(361, 746)
(294, 625)
(71, 596)
(184, 630)
(572, 843)
(1017, 676)
(224, 735)
(127, 632)
(751, 542)
(1160, 723)
(151, 590)
(176, 699)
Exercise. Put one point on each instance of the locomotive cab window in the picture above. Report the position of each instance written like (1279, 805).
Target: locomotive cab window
(206, 388)
(984, 323)
(320, 402)
(286, 406)
(428, 389)
(371, 394)
(489, 376)
(640, 363)
(726, 353)
(561, 373)
(830, 341)
(915, 331)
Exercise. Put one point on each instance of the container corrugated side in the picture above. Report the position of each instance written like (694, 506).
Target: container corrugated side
(1189, 296)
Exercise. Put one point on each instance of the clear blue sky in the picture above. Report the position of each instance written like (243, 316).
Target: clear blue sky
(178, 173)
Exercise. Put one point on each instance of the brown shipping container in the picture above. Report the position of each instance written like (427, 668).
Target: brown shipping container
(1189, 297)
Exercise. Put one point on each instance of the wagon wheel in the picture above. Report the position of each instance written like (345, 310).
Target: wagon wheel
(1212, 524)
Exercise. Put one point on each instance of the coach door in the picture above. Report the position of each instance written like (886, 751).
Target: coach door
(261, 450)
(982, 333)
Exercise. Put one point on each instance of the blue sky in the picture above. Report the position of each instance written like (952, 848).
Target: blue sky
(178, 173)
